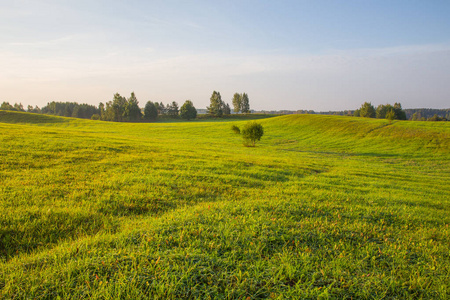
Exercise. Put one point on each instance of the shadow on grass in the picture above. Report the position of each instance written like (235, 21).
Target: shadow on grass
(368, 154)
(43, 230)
(14, 117)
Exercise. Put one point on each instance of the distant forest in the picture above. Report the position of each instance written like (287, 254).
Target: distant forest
(427, 113)
(422, 114)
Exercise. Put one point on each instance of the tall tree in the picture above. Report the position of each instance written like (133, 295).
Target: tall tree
(150, 111)
(118, 106)
(237, 102)
(18, 107)
(158, 109)
(216, 105)
(109, 112)
(132, 111)
(116, 109)
(68, 110)
(226, 109)
(245, 105)
(76, 112)
(399, 112)
(161, 108)
(188, 111)
(101, 108)
(172, 109)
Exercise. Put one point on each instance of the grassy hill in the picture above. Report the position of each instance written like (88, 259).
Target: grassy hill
(323, 207)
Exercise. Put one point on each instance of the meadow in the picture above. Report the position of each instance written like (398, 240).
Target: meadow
(324, 207)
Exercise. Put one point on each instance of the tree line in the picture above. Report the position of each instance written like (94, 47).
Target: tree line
(367, 110)
(63, 109)
(122, 109)
(428, 114)
(395, 112)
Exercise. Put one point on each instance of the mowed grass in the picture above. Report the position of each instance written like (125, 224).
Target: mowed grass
(324, 207)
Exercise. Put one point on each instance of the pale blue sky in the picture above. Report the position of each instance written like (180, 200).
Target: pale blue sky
(320, 55)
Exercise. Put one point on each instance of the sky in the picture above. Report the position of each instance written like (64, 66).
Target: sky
(317, 55)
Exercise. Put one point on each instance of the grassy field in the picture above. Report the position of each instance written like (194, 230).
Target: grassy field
(323, 207)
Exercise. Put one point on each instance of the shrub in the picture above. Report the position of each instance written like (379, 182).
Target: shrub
(235, 129)
(251, 133)
(390, 115)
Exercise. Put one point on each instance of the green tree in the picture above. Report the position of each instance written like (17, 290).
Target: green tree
(158, 108)
(76, 112)
(237, 102)
(245, 105)
(108, 115)
(161, 109)
(101, 108)
(399, 112)
(188, 111)
(150, 111)
(172, 109)
(216, 105)
(367, 110)
(118, 107)
(226, 109)
(19, 107)
(115, 109)
(132, 111)
(252, 132)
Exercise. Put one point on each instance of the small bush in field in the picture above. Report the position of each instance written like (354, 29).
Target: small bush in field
(235, 129)
(252, 132)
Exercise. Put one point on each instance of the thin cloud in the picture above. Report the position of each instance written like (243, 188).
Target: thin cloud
(388, 51)
(46, 43)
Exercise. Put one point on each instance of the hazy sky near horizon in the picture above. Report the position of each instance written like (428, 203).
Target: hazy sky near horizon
(320, 55)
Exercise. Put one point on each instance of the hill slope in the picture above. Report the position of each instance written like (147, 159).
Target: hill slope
(324, 206)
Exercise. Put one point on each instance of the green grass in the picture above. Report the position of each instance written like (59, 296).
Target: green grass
(323, 207)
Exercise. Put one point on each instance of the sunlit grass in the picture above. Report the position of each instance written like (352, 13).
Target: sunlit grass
(324, 206)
